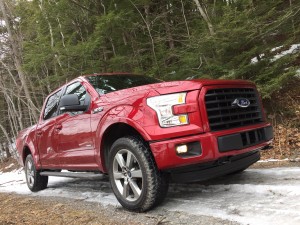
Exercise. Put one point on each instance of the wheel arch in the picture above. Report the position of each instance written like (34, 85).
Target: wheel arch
(29, 149)
(111, 134)
(26, 152)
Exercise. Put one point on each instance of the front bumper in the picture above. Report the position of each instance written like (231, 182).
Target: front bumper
(213, 146)
(216, 168)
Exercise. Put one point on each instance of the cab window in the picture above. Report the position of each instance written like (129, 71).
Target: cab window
(78, 89)
(52, 105)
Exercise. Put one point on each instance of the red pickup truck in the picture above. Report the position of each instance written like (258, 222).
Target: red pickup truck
(143, 132)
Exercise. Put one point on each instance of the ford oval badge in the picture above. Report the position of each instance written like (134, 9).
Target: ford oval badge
(241, 102)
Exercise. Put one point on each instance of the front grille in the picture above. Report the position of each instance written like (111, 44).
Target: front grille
(222, 115)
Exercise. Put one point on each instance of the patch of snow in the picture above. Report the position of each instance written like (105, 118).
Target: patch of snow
(254, 197)
(276, 48)
(279, 160)
(297, 73)
(255, 59)
(295, 48)
(273, 160)
(292, 50)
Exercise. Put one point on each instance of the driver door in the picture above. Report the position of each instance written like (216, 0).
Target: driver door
(46, 137)
(75, 142)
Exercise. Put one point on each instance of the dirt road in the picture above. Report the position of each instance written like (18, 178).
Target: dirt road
(24, 209)
(257, 196)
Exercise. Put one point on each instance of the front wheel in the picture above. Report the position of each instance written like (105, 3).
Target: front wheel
(134, 177)
(34, 180)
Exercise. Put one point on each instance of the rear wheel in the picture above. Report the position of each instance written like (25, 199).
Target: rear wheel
(134, 177)
(34, 180)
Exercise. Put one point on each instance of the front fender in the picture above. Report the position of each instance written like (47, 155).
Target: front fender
(26, 142)
(125, 114)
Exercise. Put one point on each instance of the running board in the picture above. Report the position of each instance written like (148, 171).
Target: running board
(71, 174)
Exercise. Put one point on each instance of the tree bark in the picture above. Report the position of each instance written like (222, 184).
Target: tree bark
(6, 147)
(1, 153)
(185, 20)
(8, 140)
(205, 17)
(17, 60)
(148, 29)
(168, 32)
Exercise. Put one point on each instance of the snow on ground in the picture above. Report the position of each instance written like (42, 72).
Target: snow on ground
(279, 160)
(295, 48)
(257, 196)
(292, 50)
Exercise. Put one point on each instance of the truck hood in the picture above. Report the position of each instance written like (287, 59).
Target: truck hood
(188, 85)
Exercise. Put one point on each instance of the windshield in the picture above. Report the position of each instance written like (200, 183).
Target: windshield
(109, 83)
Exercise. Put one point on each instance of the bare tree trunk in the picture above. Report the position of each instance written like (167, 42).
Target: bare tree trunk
(9, 72)
(13, 113)
(112, 46)
(168, 32)
(6, 147)
(185, 21)
(17, 60)
(1, 152)
(49, 24)
(205, 16)
(7, 138)
(149, 31)
(61, 33)
(103, 6)
(293, 21)
(124, 38)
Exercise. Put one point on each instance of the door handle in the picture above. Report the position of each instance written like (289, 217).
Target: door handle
(58, 127)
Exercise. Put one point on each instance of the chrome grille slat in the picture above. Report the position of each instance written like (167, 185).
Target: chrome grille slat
(227, 100)
(234, 114)
(222, 115)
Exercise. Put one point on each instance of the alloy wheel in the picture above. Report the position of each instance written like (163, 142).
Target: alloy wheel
(127, 175)
(30, 173)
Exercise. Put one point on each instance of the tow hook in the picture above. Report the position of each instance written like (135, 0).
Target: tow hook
(224, 160)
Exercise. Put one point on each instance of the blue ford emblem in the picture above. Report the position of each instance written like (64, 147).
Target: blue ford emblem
(241, 102)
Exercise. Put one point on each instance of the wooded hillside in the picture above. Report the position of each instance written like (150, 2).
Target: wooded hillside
(45, 43)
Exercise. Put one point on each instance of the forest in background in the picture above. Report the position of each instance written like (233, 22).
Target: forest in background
(45, 43)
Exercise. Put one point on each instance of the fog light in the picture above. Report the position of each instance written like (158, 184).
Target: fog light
(181, 149)
(183, 119)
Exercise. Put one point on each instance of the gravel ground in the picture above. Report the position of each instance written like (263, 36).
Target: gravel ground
(267, 193)
(22, 209)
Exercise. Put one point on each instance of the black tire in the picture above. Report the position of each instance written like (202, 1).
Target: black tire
(34, 180)
(138, 185)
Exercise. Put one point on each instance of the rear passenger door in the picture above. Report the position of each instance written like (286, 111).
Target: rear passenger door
(75, 142)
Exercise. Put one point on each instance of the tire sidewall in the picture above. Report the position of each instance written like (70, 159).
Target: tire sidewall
(120, 144)
(29, 158)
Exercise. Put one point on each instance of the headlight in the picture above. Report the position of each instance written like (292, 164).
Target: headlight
(163, 106)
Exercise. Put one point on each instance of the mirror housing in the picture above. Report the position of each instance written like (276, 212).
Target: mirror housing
(71, 103)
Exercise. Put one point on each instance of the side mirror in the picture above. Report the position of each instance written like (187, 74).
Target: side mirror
(71, 103)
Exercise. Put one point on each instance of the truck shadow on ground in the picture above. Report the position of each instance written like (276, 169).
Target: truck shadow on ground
(176, 190)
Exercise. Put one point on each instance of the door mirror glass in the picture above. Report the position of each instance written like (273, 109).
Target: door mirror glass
(71, 103)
